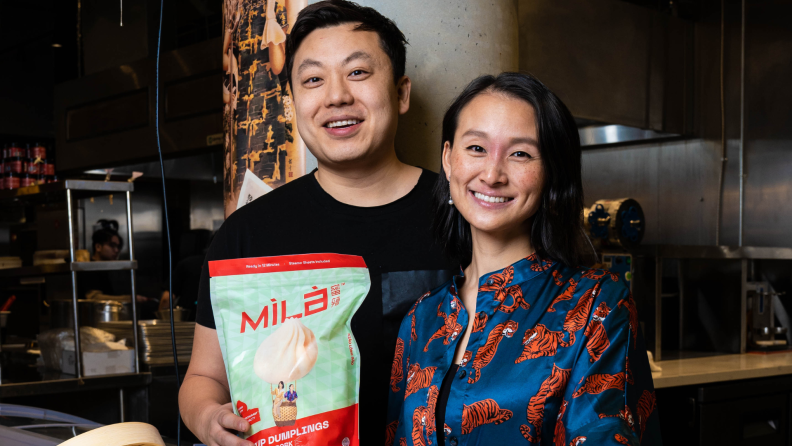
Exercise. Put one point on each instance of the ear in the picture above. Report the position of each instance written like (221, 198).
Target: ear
(403, 88)
(447, 160)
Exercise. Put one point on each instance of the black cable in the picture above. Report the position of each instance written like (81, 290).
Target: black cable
(167, 230)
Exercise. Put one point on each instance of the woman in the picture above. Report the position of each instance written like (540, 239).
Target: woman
(277, 399)
(524, 344)
(291, 395)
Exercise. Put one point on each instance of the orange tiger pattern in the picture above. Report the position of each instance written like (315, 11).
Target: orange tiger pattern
(621, 439)
(597, 274)
(498, 283)
(402, 441)
(601, 382)
(450, 328)
(390, 433)
(546, 264)
(646, 405)
(516, 294)
(625, 414)
(418, 378)
(465, 358)
(598, 338)
(539, 342)
(576, 317)
(396, 368)
(487, 351)
(419, 420)
(553, 386)
(481, 413)
(566, 295)
(423, 419)
(559, 437)
(629, 304)
(411, 313)
(480, 322)
(431, 406)
(577, 441)
(558, 278)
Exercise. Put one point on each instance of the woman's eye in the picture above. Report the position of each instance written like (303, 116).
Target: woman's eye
(522, 154)
(477, 149)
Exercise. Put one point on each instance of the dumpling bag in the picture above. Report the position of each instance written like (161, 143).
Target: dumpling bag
(292, 363)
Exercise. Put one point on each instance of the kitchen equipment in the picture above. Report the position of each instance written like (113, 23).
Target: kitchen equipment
(155, 340)
(763, 334)
(111, 310)
(618, 223)
(179, 314)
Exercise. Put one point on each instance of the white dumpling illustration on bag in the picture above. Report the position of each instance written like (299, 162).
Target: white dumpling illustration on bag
(288, 354)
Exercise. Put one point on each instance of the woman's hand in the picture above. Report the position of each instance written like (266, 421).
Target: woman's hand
(217, 422)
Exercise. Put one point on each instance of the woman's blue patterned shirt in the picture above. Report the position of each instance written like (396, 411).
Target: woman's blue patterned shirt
(555, 357)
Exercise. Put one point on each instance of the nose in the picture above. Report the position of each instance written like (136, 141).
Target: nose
(337, 92)
(494, 173)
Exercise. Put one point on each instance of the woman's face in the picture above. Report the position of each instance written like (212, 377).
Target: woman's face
(493, 168)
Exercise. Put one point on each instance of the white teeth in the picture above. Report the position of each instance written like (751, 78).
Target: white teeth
(335, 124)
(489, 199)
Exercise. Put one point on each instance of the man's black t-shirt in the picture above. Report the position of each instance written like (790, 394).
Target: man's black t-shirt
(395, 240)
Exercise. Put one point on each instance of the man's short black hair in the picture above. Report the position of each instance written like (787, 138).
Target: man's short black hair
(104, 236)
(330, 13)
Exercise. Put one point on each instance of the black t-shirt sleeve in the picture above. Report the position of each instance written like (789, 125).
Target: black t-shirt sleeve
(218, 250)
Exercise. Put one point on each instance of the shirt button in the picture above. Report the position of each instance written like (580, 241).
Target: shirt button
(490, 282)
(462, 374)
(452, 441)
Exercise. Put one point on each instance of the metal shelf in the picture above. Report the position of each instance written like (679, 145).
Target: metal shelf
(62, 268)
(44, 384)
(745, 255)
(714, 252)
(80, 189)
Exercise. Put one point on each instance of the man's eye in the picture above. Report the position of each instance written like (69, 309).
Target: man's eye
(477, 149)
(357, 73)
(312, 80)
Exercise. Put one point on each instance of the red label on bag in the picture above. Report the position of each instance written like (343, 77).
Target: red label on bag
(337, 427)
(250, 415)
(278, 264)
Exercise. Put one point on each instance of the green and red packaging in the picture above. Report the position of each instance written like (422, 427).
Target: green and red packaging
(292, 363)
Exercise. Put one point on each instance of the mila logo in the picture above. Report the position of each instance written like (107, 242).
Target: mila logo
(314, 302)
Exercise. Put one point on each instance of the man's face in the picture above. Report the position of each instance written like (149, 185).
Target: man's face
(346, 101)
(110, 250)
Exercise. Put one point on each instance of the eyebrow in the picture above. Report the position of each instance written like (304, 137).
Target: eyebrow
(355, 56)
(513, 141)
(308, 63)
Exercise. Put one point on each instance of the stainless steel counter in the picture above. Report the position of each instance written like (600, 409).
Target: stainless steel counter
(685, 372)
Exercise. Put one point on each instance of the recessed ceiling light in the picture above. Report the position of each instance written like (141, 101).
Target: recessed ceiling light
(56, 45)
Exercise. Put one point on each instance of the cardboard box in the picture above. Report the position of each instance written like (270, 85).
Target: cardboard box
(100, 363)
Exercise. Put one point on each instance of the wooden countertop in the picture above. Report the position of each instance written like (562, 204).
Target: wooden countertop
(685, 372)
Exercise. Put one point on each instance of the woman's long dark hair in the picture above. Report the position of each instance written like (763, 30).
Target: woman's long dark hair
(557, 228)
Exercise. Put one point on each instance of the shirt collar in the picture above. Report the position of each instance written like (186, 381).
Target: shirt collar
(524, 269)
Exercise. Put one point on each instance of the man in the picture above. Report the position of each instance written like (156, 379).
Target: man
(107, 285)
(346, 67)
(107, 244)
